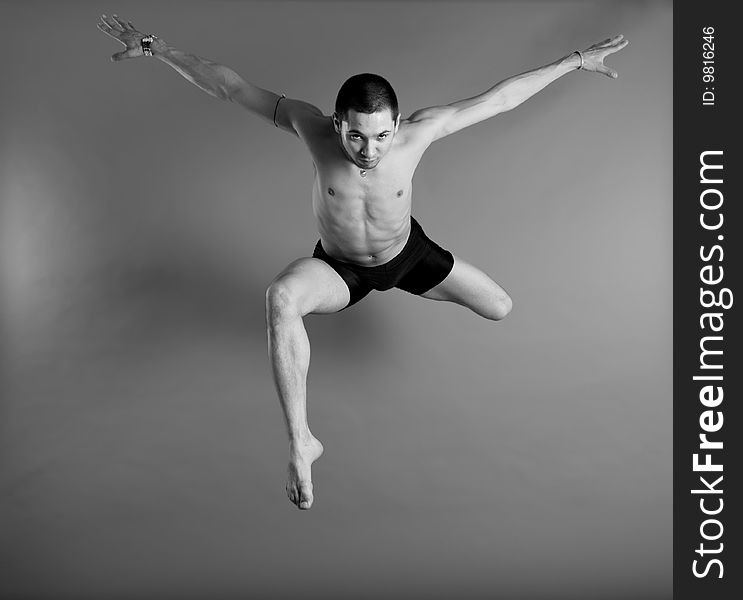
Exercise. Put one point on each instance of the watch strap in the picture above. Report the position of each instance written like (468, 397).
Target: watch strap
(147, 44)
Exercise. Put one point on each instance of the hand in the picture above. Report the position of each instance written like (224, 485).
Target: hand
(125, 33)
(593, 56)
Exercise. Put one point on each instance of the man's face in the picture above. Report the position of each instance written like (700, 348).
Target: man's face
(366, 137)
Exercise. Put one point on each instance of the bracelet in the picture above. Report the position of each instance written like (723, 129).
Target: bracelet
(146, 42)
(276, 110)
(581, 59)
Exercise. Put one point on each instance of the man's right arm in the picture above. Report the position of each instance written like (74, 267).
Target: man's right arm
(215, 79)
(224, 83)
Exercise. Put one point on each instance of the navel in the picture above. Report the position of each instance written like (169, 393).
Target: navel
(399, 193)
(331, 191)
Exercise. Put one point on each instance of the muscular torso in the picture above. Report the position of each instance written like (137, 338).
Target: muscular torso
(363, 220)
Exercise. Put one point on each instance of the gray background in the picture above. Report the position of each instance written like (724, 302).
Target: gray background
(142, 445)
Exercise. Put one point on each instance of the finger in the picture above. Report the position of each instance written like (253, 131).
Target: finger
(617, 47)
(131, 27)
(119, 23)
(612, 41)
(114, 23)
(108, 21)
(617, 43)
(108, 31)
(127, 25)
(600, 45)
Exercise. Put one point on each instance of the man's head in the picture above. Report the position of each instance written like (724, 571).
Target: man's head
(366, 118)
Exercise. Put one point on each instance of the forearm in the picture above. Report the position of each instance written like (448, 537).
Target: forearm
(503, 96)
(215, 79)
(511, 92)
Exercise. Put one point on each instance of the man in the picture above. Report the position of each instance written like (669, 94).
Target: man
(365, 155)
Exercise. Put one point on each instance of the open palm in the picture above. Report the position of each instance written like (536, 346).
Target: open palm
(593, 56)
(124, 32)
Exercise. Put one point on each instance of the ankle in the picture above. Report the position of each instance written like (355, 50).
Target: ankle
(300, 439)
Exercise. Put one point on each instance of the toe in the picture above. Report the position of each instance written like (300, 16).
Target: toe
(305, 496)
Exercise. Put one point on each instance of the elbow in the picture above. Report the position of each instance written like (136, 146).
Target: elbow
(504, 104)
(227, 85)
(223, 93)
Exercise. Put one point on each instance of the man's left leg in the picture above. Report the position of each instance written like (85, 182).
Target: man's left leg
(469, 286)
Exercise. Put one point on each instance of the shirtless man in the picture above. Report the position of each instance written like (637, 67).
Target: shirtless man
(364, 156)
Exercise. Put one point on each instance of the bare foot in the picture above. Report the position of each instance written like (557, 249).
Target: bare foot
(301, 457)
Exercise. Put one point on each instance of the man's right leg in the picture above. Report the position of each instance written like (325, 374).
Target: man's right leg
(307, 285)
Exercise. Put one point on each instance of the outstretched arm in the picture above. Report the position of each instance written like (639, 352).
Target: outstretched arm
(215, 79)
(511, 92)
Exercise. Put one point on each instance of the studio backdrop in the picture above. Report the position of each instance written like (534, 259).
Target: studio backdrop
(142, 447)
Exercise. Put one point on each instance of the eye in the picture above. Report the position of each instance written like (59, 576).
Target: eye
(383, 136)
(355, 136)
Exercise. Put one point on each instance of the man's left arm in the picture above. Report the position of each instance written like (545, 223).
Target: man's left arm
(511, 92)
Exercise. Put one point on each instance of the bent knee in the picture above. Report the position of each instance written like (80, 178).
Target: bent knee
(281, 301)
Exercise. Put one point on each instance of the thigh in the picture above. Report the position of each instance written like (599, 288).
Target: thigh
(314, 285)
(469, 286)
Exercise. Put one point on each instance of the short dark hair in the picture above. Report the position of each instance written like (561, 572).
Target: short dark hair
(366, 93)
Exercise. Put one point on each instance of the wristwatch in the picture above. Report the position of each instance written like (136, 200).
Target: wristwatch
(146, 44)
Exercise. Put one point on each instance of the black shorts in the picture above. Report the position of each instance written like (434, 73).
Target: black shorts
(421, 265)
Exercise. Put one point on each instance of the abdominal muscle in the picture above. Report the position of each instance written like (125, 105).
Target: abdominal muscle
(366, 232)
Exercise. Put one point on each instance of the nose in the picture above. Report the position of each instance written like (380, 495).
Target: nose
(367, 151)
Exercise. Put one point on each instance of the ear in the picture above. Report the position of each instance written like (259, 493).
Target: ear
(337, 122)
(397, 122)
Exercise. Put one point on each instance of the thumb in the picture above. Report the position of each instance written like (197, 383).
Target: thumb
(609, 72)
(119, 56)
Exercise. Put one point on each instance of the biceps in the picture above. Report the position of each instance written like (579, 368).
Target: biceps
(254, 99)
(286, 113)
(295, 116)
(445, 120)
(468, 112)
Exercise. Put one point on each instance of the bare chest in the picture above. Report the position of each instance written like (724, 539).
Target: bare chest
(343, 187)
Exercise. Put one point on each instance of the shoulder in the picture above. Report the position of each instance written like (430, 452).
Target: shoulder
(430, 114)
(426, 124)
(301, 117)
